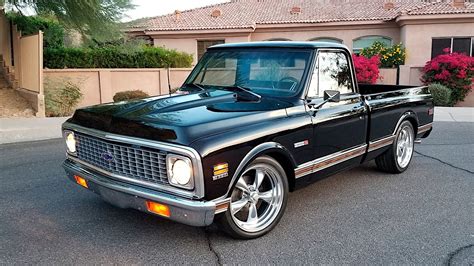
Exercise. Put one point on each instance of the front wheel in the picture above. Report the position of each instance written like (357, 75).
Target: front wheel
(398, 157)
(258, 199)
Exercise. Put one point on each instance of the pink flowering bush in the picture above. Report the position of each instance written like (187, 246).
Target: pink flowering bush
(453, 70)
(367, 69)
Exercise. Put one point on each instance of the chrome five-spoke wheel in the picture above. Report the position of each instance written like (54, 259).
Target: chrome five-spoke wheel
(397, 158)
(405, 146)
(258, 199)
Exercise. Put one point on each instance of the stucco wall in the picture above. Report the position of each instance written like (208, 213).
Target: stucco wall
(347, 35)
(100, 85)
(22, 58)
(468, 101)
(86, 79)
(387, 76)
(238, 39)
(28, 64)
(188, 45)
(417, 38)
(5, 40)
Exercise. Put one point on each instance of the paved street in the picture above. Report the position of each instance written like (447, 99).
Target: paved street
(361, 216)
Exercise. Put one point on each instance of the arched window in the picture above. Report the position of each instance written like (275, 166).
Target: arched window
(326, 39)
(277, 40)
(366, 41)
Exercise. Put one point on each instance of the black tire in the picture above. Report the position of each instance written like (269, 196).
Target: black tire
(387, 161)
(226, 220)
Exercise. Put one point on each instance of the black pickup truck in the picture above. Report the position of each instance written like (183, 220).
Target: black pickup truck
(252, 122)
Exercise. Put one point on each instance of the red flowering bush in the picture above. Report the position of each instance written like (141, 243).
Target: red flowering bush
(367, 69)
(453, 70)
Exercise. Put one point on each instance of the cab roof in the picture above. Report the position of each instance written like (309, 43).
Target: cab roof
(279, 44)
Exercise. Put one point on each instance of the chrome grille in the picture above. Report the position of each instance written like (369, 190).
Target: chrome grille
(121, 159)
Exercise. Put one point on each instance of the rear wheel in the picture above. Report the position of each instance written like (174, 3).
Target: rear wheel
(398, 157)
(258, 199)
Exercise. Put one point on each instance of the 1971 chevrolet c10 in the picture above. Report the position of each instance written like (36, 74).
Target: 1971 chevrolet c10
(252, 122)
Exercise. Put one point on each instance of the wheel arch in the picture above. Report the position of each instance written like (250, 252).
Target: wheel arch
(411, 117)
(272, 149)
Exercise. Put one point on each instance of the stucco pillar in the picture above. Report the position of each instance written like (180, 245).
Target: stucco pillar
(163, 81)
(404, 75)
(105, 86)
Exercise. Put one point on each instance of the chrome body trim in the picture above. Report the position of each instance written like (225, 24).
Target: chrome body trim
(125, 195)
(192, 154)
(401, 90)
(328, 161)
(375, 145)
(386, 141)
(424, 128)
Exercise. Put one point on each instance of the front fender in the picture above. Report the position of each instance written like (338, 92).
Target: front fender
(267, 148)
(240, 146)
(238, 159)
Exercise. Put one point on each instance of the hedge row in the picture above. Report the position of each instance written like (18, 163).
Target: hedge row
(114, 57)
(53, 32)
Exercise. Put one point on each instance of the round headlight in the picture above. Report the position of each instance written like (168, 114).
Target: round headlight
(182, 172)
(70, 142)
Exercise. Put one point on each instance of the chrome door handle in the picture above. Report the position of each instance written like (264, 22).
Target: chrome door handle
(357, 109)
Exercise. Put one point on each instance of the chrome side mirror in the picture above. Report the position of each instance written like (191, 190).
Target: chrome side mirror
(332, 96)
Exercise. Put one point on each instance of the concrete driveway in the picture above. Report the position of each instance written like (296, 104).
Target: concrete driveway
(423, 216)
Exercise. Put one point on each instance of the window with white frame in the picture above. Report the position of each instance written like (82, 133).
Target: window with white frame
(464, 45)
(367, 41)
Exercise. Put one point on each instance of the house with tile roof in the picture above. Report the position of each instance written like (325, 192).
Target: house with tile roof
(425, 27)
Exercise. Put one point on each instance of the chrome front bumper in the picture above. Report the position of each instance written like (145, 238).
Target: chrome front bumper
(124, 195)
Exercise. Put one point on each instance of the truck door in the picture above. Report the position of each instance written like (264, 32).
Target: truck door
(339, 129)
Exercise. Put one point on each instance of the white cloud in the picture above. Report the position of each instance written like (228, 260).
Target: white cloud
(152, 8)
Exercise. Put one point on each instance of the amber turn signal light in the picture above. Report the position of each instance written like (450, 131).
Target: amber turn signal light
(81, 181)
(158, 208)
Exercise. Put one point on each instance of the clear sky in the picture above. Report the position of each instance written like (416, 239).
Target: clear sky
(151, 8)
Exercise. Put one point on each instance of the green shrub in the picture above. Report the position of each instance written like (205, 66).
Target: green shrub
(115, 57)
(453, 70)
(53, 31)
(441, 94)
(129, 95)
(390, 56)
(61, 97)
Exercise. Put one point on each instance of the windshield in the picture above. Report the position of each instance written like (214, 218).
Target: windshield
(272, 72)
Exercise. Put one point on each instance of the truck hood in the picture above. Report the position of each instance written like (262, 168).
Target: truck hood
(179, 119)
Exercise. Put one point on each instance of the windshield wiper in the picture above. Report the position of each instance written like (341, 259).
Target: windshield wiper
(246, 94)
(195, 85)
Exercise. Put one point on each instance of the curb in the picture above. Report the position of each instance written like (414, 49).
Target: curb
(30, 129)
(454, 114)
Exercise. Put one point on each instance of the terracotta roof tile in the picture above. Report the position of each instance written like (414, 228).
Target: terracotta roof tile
(241, 14)
(442, 8)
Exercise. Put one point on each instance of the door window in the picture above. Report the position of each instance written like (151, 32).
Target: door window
(332, 73)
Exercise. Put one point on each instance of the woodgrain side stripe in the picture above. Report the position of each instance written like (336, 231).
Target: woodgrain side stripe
(328, 161)
(374, 145)
(424, 128)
